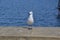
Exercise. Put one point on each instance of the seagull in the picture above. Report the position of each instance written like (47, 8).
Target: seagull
(30, 18)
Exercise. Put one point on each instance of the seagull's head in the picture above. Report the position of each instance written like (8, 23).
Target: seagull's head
(31, 13)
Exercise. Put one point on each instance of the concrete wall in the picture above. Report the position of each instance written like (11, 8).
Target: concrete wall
(38, 33)
(28, 38)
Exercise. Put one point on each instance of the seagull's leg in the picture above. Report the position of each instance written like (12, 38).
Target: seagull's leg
(30, 27)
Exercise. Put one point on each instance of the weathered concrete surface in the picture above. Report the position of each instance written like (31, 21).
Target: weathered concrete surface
(37, 33)
(28, 38)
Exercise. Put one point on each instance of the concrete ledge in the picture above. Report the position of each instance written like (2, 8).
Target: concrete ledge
(27, 38)
(36, 33)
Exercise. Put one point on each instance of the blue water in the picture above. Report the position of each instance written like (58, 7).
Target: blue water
(15, 12)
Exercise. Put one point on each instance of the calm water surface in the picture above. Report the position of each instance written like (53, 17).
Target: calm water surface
(15, 12)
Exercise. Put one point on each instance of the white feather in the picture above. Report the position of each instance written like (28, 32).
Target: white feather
(30, 18)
